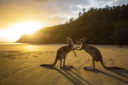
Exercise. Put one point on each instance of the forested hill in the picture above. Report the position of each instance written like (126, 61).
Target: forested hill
(100, 26)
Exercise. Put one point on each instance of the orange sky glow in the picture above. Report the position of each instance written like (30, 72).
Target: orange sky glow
(18, 17)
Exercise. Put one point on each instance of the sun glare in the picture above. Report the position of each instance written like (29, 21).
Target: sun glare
(29, 48)
(15, 31)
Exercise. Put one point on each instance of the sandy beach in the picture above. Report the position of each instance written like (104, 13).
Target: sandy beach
(20, 65)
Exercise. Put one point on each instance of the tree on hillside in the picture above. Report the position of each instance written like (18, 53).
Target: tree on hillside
(100, 26)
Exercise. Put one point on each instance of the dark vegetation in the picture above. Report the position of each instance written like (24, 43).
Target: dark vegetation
(100, 26)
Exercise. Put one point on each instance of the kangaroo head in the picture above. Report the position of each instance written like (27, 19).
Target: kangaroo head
(70, 42)
(82, 40)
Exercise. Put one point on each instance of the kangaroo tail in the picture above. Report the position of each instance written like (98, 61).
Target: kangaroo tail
(102, 63)
(55, 61)
(115, 68)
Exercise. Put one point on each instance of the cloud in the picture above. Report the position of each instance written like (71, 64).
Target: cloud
(50, 12)
(114, 2)
(119, 2)
(17, 10)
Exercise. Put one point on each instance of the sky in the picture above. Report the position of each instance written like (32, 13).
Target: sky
(46, 12)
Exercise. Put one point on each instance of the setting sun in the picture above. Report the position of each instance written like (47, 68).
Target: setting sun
(15, 31)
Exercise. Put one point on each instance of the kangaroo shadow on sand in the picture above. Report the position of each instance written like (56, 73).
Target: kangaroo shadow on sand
(118, 71)
(69, 74)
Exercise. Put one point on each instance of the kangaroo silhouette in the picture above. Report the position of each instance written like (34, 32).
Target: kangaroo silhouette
(94, 53)
(63, 51)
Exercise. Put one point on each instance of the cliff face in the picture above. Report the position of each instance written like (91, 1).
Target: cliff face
(103, 26)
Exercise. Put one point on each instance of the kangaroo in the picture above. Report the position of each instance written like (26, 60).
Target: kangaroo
(93, 51)
(95, 54)
(63, 51)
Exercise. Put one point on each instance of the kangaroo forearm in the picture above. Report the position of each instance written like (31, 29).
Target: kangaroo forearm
(74, 53)
(77, 48)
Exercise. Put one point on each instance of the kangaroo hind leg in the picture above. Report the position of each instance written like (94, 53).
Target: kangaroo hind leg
(61, 63)
(92, 67)
(93, 64)
(64, 62)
